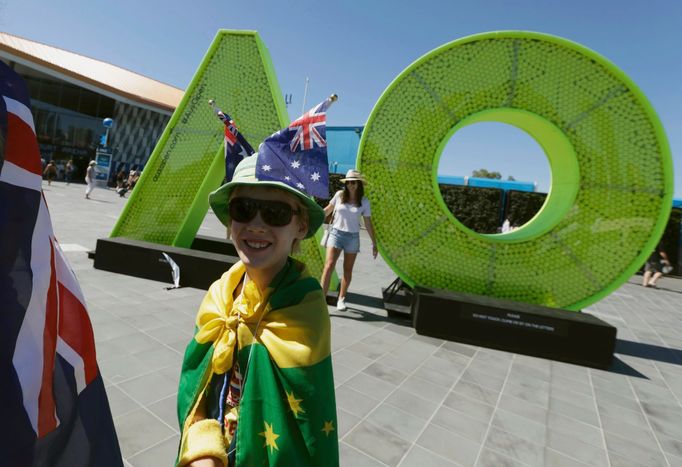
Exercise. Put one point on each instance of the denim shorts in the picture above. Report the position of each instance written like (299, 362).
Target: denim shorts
(349, 242)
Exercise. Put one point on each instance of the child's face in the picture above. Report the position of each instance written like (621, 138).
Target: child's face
(263, 248)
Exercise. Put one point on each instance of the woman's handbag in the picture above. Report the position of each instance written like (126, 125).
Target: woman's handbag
(328, 221)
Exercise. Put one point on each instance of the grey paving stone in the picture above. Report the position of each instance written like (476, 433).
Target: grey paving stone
(463, 425)
(149, 388)
(471, 407)
(633, 451)
(486, 380)
(519, 426)
(584, 413)
(351, 456)
(346, 421)
(423, 388)
(342, 373)
(556, 459)
(475, 391)
(582, 431)
(119, 402)
(523, 408)
(640, 434)
(369, 385)
(352, 359)
(572, 446)
(386, 373)
(420, 457)
(515, 447)
(378, 443)
(449, 445)
(159, 455)
(138, 430)
(166, 410)
(464, 349)
(441, 378)
(489, 458)
(398, 421)
(354, 402)
(413, 404)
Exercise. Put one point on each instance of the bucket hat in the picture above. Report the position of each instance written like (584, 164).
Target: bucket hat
(353, 174)
(245, 175)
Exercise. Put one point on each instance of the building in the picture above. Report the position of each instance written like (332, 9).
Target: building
(70, 96)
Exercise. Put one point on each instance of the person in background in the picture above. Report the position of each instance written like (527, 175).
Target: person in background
(50, 172)
(121, 178)
(90, 179)
(70, 169)
(653, 269)
(346, 207)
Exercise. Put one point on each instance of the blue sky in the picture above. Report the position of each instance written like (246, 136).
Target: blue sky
(356, 48)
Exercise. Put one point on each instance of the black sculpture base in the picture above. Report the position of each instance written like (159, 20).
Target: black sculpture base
(200, 266)
(397, 298)
(568, 336)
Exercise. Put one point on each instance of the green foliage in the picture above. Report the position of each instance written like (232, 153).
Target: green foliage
(476, 208)
(483, 173)
(522, 206)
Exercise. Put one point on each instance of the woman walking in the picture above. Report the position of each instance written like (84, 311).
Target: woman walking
(346, 207)
(90, 179)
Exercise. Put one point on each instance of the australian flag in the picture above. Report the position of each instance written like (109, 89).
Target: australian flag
(54, 408)
(297, 155)
(236, 146)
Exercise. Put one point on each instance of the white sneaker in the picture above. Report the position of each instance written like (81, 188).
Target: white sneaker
(341, 305)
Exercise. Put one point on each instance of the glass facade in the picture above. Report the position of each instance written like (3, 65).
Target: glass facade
(68, 119)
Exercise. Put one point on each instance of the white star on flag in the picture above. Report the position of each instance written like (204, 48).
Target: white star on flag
(295, 164)
(287, 178)
(266, 168)
(300, 185)
(315, 176)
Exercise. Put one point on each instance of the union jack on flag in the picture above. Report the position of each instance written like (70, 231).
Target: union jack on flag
(54, 407)
(297, 155)
(236, 146)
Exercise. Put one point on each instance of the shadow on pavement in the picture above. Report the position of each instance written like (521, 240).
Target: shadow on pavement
(649, 351)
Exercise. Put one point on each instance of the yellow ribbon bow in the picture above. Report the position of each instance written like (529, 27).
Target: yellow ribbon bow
(218, 321)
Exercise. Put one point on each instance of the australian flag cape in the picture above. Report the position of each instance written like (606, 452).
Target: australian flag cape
(287, 412)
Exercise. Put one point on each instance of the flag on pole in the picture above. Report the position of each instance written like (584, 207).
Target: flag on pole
(236, 146)
(297, 155)
(54, 407)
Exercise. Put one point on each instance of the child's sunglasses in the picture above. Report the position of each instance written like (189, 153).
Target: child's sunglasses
(273, 213)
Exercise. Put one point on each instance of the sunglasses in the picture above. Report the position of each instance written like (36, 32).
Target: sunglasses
(352, 182)
(273, 213)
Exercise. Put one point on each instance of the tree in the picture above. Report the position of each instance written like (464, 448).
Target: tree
(483, 173)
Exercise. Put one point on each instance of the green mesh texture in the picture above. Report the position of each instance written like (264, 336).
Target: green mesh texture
(624, 189)
(170, 201)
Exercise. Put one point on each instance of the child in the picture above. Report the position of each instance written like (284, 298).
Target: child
(256, 385)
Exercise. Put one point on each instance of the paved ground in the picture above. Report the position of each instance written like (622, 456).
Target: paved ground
(402, 399)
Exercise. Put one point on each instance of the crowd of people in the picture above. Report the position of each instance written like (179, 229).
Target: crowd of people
(61, 171)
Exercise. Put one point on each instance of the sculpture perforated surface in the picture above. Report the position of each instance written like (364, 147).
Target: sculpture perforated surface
(613, 197)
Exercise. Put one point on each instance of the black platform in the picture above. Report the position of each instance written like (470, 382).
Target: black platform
(569, 336)
(397, 299)
(199, 267)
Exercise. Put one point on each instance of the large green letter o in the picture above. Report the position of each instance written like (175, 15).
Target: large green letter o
(611, 169)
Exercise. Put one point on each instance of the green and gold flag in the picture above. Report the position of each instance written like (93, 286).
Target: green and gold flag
(287, 414)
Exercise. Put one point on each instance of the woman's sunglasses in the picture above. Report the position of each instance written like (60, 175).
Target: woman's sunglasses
(273, 213)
